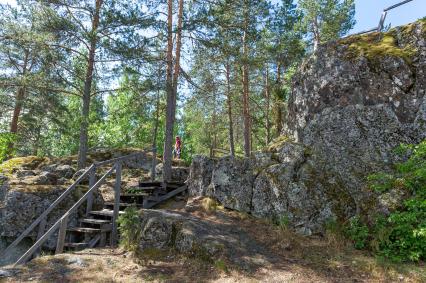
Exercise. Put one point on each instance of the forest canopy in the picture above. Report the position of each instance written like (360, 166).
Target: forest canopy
(79, 75)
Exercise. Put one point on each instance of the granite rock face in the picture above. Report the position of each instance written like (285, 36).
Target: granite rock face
(351, 104)
(231, 183)
(200, 174)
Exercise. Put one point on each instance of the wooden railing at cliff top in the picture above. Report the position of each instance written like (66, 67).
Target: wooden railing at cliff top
(62, 223)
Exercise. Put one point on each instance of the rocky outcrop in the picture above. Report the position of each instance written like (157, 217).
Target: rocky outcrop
(179, 173)
(199, 237)
(352, 103)
(200, 174)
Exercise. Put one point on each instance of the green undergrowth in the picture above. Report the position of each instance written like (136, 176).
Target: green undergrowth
(5, 140)
(130, 229)
(401, 235)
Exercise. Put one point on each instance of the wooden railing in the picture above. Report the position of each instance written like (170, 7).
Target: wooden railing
(62, 223)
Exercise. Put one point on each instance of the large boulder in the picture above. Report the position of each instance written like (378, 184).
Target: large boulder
(200, 237)
(200, 175)
(232, 182)
(351, 104)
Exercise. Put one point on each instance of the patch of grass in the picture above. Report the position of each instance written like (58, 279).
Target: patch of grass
(334, 235)
(221, 265)
(209, 204)
(283, 222)
(150, 254)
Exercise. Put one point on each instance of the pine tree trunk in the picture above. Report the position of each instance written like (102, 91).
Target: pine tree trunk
(246, 107)
(170, 109)
(17, 110)
(229, 104)
(156, 125)
(19, 100)
(267, 107)
(84, 127)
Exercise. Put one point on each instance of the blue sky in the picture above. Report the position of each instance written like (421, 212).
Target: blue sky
(368, 12)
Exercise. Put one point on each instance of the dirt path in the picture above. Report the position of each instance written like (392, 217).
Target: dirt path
(256, 251)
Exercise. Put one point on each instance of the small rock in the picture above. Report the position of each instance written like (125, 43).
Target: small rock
(5, 273)
(77, 261)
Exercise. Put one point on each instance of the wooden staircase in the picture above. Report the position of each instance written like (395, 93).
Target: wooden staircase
(97, 227)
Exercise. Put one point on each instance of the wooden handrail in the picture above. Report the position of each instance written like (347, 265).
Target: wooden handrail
(93, 185)
(47, 211)
(118, 159)
(55, 226)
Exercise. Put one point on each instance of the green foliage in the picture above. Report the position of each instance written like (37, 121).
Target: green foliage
(130, 228)
(401, 236)
(330, 19)
(405, 233)
(358, 232)
(5, 140)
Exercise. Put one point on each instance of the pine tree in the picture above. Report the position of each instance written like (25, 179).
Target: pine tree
(327, 19)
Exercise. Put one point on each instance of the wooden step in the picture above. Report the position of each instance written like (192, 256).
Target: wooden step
(144, 189)
(122, 204)
(76, 245)
(133, 195)
(87, 230)
(105, 212)
(95, 221)
(150, 184)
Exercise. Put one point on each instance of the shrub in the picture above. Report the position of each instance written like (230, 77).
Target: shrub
(5, 140)
(130, 228)
(401, 236)
(358, 232)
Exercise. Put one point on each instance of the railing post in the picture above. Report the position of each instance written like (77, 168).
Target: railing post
(41, 229)
(61, 235)
(154, 162)
(117, 189)
(92, 182)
